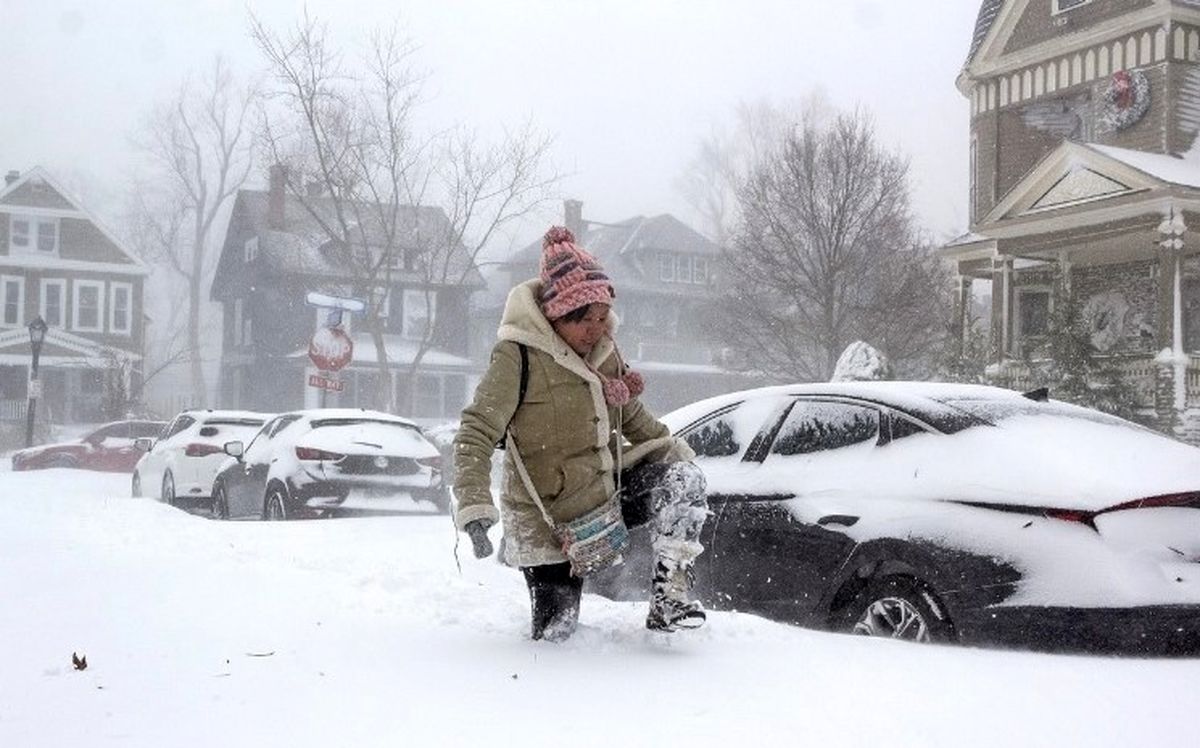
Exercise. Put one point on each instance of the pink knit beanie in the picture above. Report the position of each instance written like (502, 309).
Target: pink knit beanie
(571, 278)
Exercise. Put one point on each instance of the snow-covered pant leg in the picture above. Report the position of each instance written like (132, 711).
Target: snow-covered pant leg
(553, 600)
(671, 497)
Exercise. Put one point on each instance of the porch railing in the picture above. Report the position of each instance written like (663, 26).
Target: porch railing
(1141, 372)
(13, 410)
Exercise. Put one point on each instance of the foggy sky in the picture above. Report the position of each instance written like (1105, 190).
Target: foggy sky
(627, 87)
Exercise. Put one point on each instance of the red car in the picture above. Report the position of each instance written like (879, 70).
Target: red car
(109, 448)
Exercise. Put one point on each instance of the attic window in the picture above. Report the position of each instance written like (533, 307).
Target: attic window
(1062, 6)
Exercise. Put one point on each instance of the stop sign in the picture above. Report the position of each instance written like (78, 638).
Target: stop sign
(330, 348)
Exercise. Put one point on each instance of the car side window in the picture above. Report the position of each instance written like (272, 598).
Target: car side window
(730, 431)
(817, 425)
(180, 423)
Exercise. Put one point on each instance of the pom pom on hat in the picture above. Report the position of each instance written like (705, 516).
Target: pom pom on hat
(616, 392)
(571, 278)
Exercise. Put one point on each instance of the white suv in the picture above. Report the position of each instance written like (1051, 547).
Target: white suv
(179, 466)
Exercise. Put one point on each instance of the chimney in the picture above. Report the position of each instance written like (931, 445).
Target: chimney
(276, 196)
(11, 177)
(573, 217)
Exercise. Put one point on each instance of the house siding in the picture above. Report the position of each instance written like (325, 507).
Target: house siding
(1039, 23)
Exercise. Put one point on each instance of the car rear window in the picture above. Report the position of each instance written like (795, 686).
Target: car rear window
(324, 422)
(995, 410)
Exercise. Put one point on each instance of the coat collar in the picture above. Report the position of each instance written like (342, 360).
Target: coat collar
(523, 322)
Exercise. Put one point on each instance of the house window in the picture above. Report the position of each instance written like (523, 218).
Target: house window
(683, 268)
(12, 300)
(1033, 313)
(88, 310)
(1062, 6)
(974, 165)
(29, 234)
(700, 270)
(427, 399)
(120, 305)
(236, 328)
(53, 304)
(666, 267)
(420, 308)
(251, 250)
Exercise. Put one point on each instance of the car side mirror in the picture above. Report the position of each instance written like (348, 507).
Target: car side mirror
(234, 449)
(143, 443)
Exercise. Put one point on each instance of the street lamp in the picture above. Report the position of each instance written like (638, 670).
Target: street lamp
(37, 335)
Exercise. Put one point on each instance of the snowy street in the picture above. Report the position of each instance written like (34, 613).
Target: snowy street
(363, 632)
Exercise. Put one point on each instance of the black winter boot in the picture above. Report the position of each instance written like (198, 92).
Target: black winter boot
(554, 601)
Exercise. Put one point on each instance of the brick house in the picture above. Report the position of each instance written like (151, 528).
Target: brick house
(665, 274)
(57, 261)
(1085, 186)
(275, 253)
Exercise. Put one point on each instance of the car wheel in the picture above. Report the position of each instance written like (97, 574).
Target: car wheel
(168, 489)
(275, 504)
(899, 608)
(220, 503)
(135, 486)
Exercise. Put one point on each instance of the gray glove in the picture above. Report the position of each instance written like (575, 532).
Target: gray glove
(477, 531)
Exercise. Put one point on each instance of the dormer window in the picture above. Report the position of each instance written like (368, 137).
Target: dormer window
(29, 234)
(1062, 6)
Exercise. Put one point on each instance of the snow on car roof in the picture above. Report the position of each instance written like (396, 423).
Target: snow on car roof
(319, 414)
(219, 416)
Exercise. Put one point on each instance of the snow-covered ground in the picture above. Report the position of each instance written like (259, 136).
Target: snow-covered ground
(362, 632)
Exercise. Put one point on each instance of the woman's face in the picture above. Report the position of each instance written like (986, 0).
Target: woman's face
(583, 335)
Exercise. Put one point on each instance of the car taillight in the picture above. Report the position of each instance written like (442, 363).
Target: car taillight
(311, 453)
(1072, 515)
(434, 462)
(201, 450)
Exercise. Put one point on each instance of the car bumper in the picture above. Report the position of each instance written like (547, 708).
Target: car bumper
(1152, 630)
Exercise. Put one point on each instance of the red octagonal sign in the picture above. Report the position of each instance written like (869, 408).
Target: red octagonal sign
(330, 348)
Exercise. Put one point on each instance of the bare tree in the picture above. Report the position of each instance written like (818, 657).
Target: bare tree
(199, 151)
(400, 208)
(725, 158)
(825, 253)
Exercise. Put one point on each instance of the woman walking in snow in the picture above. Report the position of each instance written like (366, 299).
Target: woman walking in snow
(558, 393)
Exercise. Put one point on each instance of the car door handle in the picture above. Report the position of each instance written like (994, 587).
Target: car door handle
(846, 520)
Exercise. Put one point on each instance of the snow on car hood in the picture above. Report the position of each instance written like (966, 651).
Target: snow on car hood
(369, 437)
(1027, 460)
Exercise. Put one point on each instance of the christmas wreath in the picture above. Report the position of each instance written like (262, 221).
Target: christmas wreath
(1126, 99)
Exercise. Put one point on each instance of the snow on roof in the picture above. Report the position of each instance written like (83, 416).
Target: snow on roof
(983, 24)
(968, 238)
(1169, 168)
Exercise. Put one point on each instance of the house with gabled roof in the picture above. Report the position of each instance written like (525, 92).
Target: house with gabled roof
(277, 249)
(666, 277)
(1085, 187)
(59, 262)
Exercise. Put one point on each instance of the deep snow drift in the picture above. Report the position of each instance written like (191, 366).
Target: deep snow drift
(359, 632)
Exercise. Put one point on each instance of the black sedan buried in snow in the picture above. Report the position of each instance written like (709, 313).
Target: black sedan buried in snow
(948, 513)
(311, 462)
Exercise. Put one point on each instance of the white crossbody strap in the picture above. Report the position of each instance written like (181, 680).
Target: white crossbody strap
(511, 445)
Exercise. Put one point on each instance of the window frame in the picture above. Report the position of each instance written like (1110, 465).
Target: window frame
(882, 424)
(76, 291)
(406, 307)
(1020, 335)
(44, 307)
(700, 270)
(113, 288)
(1056, 6)
(33, 236)
(666, 267)
(4, 281)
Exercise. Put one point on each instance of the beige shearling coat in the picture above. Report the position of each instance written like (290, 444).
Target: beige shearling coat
(564, 431)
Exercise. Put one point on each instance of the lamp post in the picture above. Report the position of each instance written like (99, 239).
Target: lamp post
(37, 334)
